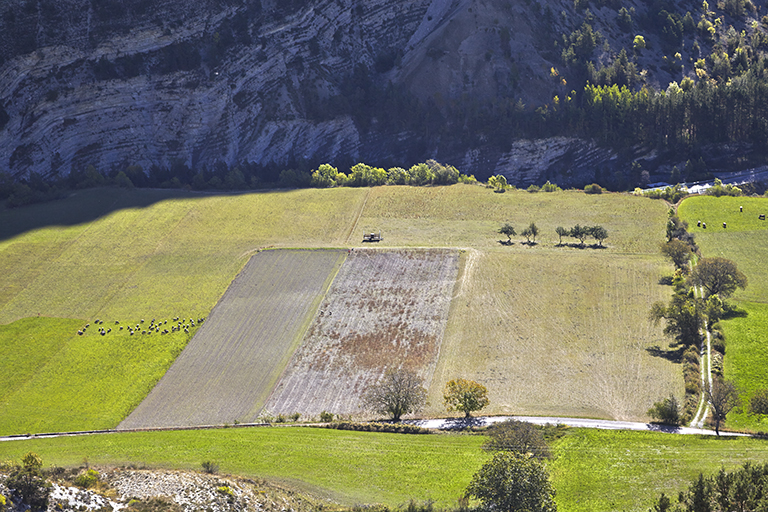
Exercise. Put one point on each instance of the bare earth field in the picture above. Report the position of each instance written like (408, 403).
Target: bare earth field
(228, 368)
(385, 309)
(556, 331)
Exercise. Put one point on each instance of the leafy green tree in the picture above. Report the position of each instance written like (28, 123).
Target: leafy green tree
(398, 392)
(599, 233)
(580, 233)
(398, 176)
(465, 395)
(498, 182)
(683, 316)
(508, 230)
(722, 397)
(666, 411)
(561, 232)
(530, 233)
(421, 174)
(718, 276)
(517, 436)
(513, 482)
(677, 251)
(327, 176)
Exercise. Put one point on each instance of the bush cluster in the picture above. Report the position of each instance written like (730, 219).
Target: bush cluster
(397, 428)
(362, 175)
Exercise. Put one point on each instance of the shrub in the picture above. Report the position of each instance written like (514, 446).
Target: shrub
(594, 188)
(210, 467)
(295, 416)
(666, 411)
(517, 436)
(758, 404)
(396, 428)
(533, 189)
(550, 187)
(326, 417)
(88, 479)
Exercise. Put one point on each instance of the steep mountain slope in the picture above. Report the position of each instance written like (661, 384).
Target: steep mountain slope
(112, 83)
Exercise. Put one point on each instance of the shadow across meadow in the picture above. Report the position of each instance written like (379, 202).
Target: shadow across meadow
(83, 206)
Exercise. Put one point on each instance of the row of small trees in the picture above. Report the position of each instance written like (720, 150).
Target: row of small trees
(579, 232)
(430, 172)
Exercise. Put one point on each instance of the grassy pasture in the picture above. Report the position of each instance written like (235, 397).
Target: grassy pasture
(385, 309)
(558, 333)
(60, 381)
(746, 361)
(347, 467)
(226, 373)
(592, 469)
(470, 216)
(745, 241)
(627, 471)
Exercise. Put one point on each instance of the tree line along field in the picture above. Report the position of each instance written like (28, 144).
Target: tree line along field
(744, 241)
(174, 254)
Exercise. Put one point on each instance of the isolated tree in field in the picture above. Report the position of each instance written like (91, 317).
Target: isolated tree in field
(683, 317)
(465, 396)
(561, 232)
(399, 392)
(530, 233)
(677, 251)
(718, 276)
(666, 411)
(722, 396)
(517, 436)
(508, 230)
(599, 233)
(513, 482)
(580, 233)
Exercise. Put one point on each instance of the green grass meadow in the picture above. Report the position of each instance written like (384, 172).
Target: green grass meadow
(347, 467)
(745, 241)
(592, 469)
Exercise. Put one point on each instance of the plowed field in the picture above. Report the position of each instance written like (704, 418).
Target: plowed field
(384, 309)
(227, 370)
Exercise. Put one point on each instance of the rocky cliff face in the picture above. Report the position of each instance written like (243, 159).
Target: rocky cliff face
(112, 83)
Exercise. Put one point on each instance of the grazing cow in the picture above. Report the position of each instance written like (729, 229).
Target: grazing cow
(704, 225)
(761, 216)
(741, 209)
(698, 224)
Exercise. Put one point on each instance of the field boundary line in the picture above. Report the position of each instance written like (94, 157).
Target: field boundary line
(359, 214)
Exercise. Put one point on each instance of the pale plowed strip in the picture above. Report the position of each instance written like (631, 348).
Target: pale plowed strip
(385, 309)
(229, 367)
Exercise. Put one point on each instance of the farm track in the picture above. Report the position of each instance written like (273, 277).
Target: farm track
(386, 308)
(227, 370)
